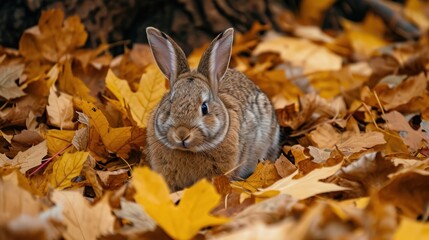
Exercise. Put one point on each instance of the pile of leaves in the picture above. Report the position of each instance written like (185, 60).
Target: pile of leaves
(353, 107)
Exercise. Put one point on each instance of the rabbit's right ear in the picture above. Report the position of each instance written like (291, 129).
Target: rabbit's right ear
(169, 57)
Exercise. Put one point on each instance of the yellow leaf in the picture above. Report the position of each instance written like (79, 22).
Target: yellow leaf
(72, 85)
(306, 186)
(264, 175)
(57, 139)
(66, 168)
(182, 221)
(411, 229)
(116, 140)
(301, 53)
(140, 103)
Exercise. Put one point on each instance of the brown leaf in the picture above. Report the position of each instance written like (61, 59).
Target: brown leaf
(415, 139)
(284, 167)
(393, 95)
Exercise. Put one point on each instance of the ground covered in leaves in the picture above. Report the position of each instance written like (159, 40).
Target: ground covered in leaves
(354, 106)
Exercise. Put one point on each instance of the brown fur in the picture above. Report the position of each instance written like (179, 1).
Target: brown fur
(184, 145)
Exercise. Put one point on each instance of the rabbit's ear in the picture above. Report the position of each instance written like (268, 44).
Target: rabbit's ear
(215, 60)
(169, 57)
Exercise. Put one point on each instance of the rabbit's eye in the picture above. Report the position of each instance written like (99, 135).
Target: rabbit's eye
(204, 108)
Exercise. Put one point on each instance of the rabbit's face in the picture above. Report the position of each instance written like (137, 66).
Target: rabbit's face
(190, 117)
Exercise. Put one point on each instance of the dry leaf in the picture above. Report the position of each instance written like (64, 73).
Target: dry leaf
(58, 140)
(409, 191)
(60, 109)
(133, 212)
(304, 187)
(53, 37)
(284, 167)
(301, 52)
(116, 140)
(26, 160)
(82, 220)
(182, 221)
(66, 168)
(72, 85)
(8, 87)
(319, 155)
(264, 175)
(140, 103)
(413, 138)
(361, 142)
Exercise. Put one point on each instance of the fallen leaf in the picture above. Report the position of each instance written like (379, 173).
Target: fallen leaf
(413, 138)
(26, 160)
(284, 167)
(306, 186)
(60, 109)
(395, 96)
(72, 85)
(8, 76)
(66, 168)
(408, 190)
(57, 140)
(82, 220)
(301, 52)
(133, 212)
(319, 155)
(151, 89)
(116, 140)
(53, 37)
(264, 175)
(361, 142)
(184, 220)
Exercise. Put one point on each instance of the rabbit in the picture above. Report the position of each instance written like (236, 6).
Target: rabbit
(214, 120)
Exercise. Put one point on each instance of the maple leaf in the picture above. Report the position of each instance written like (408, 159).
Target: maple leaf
(303, 187)
(53, 37)
(8, 87)
(60, 109)
(26, 160)
(182, 221)
(140, 103)
(82, 220)
(66, 168)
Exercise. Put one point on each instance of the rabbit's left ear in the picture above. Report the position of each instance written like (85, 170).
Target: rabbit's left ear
(215, 60)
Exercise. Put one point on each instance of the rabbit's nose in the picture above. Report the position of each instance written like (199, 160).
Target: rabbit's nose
(182, 133)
